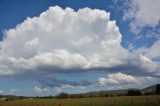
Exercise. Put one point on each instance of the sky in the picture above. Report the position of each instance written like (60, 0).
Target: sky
(76, 46)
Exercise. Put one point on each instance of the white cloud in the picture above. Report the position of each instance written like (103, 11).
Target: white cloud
(154, 50)
(72, 87)
(40, 90)
(142, 13)
(150, 52)
(145, 56)
(59, 58)
(64, 39)
(121, 78)
(117, 78)
(104, 81)
(82, 41)
(58, 90)
(1, 91)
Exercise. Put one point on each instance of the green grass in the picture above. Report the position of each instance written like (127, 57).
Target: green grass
(99, 101)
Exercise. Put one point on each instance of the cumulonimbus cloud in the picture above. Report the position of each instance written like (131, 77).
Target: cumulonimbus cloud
(62, 40)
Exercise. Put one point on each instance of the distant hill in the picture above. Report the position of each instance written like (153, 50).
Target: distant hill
(120, 92)
(151, 90)
(154, 89)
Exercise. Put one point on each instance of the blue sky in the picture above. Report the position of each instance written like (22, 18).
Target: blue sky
(47, 49)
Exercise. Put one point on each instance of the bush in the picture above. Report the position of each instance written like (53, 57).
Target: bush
(9, 99)
(134, 93)
(158, 89)
(62, 96)
(106, 95)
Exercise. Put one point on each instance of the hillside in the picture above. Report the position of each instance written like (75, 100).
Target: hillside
(151, 90)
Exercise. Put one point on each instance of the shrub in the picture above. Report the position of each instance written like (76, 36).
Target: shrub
(62, 96)
(158, 89)
(134, 93)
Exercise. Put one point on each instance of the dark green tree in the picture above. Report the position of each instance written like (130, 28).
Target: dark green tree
(134, 93)
(62, 96)
(158, 89)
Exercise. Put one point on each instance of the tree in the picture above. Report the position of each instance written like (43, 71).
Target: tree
(9, 99)
(158, 89)
(134, 93)
(102, 94)
(106, 95)
(62, 96)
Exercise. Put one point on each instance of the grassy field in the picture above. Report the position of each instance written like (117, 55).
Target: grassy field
(99, 101)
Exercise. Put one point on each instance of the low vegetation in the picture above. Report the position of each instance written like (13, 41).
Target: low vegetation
(98, 101)
(127, 97)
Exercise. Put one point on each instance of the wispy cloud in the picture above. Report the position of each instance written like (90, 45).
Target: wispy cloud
(141, 14)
